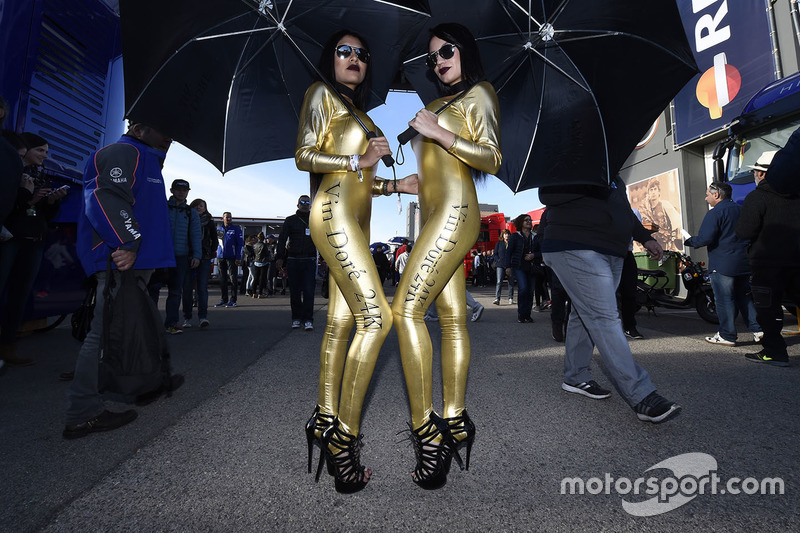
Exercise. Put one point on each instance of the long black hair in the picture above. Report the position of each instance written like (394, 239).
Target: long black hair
(326, 68)
(471, 66)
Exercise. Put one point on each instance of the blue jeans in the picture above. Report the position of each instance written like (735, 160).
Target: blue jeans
(731, 294)
(591, 279)
(302, 281)
(178, 276)
(501, 272)
(525, 282)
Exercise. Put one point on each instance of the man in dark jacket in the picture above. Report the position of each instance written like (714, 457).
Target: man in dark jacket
(124, 215)
(771, 222)
(300, 255)
(585, 242)
(727, 260)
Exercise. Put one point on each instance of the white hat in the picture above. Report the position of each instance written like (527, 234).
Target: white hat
(763, 162)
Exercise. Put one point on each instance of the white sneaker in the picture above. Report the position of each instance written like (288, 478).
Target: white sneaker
(187, 323)
(308, 326)
(511, 301)
(295, 324)
(716, 339)
(758, 335)
(496, 302)
(477, 314)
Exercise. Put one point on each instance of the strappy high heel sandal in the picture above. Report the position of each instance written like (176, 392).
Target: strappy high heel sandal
(344, 464)
(462, 425)
(315, 426)
(433, 458)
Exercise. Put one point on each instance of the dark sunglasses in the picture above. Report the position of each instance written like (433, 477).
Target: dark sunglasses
(305, 202)
(345, 50)
(445, 52)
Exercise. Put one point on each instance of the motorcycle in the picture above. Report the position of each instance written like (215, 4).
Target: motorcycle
(651, 290)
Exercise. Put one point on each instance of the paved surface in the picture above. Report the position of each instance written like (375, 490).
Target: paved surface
(227, 452)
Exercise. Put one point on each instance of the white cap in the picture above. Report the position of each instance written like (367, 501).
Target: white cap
(763, 162)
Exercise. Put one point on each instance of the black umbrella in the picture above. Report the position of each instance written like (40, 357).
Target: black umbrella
(579, 81)
(226, 78)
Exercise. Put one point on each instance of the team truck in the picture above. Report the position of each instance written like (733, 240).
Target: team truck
(766, 122)
(61, 75)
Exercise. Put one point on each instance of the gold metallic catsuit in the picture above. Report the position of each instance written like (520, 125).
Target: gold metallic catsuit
(450, 220)
(339, 222)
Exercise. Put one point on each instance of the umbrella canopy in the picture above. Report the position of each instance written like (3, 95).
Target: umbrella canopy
(226, 78)
(374, 246)
(579, 82)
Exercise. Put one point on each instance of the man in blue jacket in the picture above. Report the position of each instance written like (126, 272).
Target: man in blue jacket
(187, 237)
(727, 260)
(229, 261)
(124, 216)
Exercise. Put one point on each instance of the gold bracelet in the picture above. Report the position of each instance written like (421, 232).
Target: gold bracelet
(379, 186)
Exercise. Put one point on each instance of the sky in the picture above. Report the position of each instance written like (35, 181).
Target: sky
(271, 190)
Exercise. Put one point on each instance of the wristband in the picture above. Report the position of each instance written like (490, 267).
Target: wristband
(354, 163)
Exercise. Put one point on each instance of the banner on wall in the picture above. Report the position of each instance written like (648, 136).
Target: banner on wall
(730, 40)
(658, 200)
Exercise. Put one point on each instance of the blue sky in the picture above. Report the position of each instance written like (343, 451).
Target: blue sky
(271, 189)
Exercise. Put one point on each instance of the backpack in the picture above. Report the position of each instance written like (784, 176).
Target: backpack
(134, 359)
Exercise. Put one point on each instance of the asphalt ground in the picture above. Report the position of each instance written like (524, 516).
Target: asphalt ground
(227, 452)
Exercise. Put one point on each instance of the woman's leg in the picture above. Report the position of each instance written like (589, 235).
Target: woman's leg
(344, 245)
(333, 352)
(438, 254)
(455, 343)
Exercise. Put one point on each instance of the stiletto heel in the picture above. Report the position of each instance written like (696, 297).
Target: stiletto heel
(315, 426)
(462, 424)
(433, 458)
(344, 465)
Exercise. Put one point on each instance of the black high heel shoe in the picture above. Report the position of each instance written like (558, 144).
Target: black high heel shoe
(345, 464)
(462, 424)
(433, 458)
(316, 425)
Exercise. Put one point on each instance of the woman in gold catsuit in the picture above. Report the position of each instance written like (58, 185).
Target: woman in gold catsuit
(331, 143)
(452, 149)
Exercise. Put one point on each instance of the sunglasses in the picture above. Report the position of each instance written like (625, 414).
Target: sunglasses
(344, 51)
(445, 52)
(305, 202)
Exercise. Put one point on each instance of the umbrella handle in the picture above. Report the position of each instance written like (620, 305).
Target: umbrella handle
(407, 135)
(387, 159)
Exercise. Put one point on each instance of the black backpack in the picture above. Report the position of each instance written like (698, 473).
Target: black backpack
(134, 360)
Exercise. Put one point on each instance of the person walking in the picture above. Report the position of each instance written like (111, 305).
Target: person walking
(123, 215)
(728, 265)
(587, 257)
(229, 260)
(503, 262)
